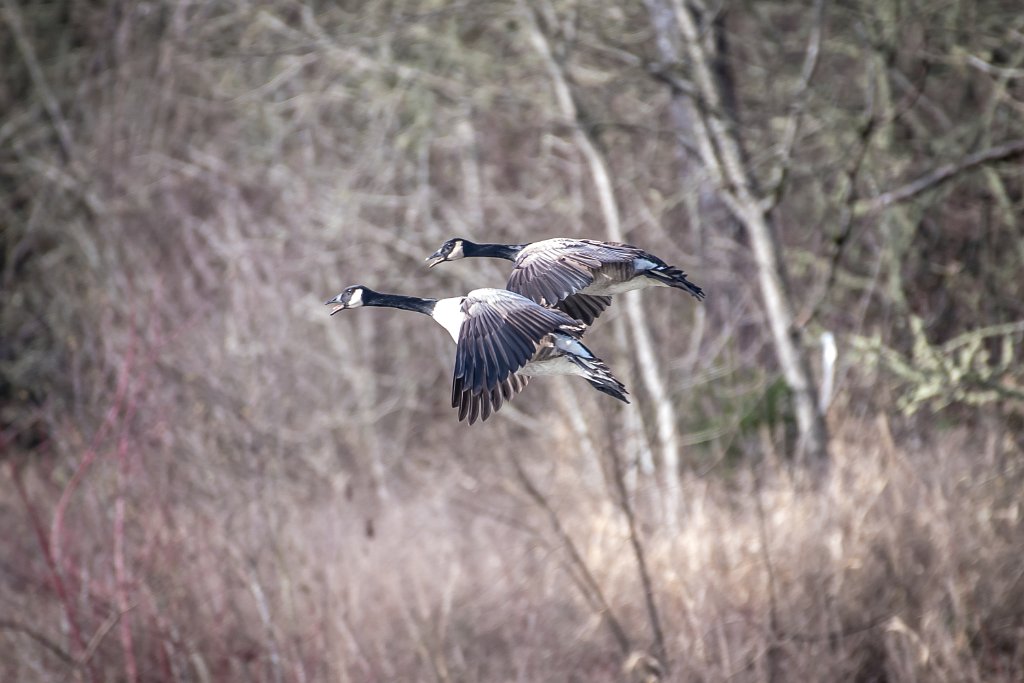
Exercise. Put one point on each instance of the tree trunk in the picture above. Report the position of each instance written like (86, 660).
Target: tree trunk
(722, 154)
(650, 370)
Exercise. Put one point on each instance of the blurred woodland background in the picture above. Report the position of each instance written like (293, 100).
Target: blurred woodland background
(206, 478)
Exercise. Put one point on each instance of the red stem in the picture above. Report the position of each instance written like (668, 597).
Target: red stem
(120, 570)
(55, 578)
(57, 528)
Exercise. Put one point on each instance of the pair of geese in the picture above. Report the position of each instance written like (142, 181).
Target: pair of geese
(557, 288)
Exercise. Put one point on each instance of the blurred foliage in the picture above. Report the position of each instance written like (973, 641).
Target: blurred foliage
(978, 367)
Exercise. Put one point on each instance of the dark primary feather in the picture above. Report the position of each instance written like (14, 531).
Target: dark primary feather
(584, 307)
(673, 277)
(485, 403)
(498, 337)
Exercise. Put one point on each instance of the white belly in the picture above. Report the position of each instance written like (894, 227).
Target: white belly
(555, 366)
(608, 288)
(608, 283)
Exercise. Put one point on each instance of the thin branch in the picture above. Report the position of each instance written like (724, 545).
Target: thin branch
(263, 610)
(641, 559)
(837, 635)
(773, 651)
(723, 156)
(61, 653)
(939, 176)
(797, 107)
(57, 580)
(592, 588)
(1008, 73)
(120, 566)
(1003, 390)
(643, 345)
(844, 230)
(664, 73)
(1004, 329)
(113, 411)
(35, 72)
(101, 633)
(833, 636)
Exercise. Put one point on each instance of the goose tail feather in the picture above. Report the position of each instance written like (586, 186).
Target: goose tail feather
(600, 376)
(673, 277)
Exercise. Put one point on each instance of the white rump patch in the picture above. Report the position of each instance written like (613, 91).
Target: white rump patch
(573, 346)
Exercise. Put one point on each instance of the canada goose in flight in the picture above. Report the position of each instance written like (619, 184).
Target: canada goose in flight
(578, 276)
(502, 338)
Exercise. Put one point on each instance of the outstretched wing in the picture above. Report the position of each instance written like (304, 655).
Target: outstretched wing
(499, 335)
(584, 307)
(486, 402)
(552, 270)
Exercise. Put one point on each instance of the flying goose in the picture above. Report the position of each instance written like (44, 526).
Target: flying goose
(578, 276)
(502, 338)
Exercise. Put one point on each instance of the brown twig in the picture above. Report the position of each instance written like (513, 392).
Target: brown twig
(651, 373)
(588, 584)
(844, 230)
(100, 634)
(121, 577)
(116, 405)
(61, 653)
(59, 587)
(60, 124)
(773, 650)
(641, 559)
(797, 106)
(120, 570)
(722, 152)
(938, 176)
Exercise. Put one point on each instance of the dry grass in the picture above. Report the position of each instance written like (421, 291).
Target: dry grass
(903, 565)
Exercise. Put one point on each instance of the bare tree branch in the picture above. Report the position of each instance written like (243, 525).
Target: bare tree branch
(60, 124)
(641, 559)
(797, 106)
(643, 345)
(723, 156)
(590, 588)
(844, 230)
(101, 633)
(939, 176)
(1009, 73)
(56, 578)
(43, 640)
(774, 651)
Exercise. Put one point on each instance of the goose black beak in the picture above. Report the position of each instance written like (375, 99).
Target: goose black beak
(434, 259)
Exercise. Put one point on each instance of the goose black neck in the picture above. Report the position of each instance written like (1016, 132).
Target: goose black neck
(505, 251)
(406, 303)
